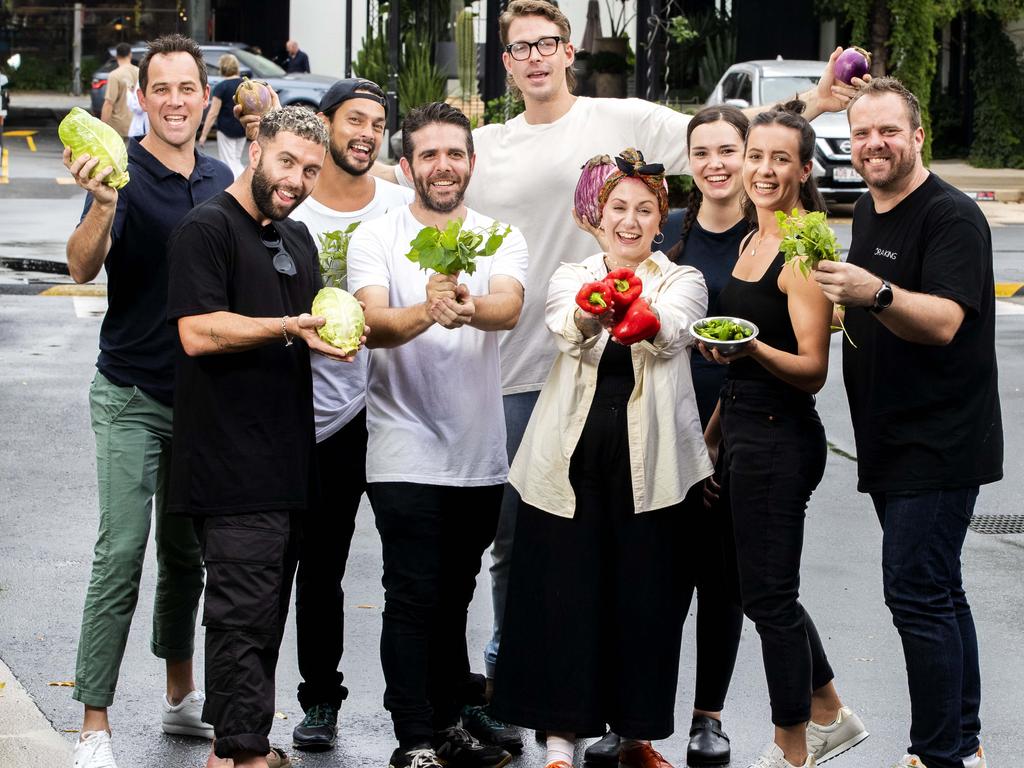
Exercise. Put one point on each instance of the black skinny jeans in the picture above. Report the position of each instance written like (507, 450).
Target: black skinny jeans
(327, 537)
(433, 538)
(775, 457)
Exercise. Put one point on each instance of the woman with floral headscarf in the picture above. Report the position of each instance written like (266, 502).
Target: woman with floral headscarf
(611, 450)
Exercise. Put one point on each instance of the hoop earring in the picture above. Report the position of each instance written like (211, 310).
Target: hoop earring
(657, 241)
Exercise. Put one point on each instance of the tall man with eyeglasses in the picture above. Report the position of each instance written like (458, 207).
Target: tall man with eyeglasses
(354, 111)
(526, 173)
(125, 232)
(242, 279)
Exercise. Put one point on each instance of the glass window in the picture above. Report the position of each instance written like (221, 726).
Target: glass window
(775, 89)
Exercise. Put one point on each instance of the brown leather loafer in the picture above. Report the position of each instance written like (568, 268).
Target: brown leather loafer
(641, 755)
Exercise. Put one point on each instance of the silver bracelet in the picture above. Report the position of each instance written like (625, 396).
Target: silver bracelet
(284, 331)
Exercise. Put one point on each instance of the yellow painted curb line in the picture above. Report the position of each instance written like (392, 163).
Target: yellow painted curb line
(1008, 290)
(75, 290)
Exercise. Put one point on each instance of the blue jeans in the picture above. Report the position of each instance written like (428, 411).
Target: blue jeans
(922, 536)
(518, 409)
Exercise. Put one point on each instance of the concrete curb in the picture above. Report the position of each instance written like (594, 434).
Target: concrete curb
(27, 739)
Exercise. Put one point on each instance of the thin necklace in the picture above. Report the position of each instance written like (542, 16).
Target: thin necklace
(753, 250)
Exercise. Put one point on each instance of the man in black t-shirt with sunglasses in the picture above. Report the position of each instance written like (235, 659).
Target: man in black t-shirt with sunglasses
(242, 279)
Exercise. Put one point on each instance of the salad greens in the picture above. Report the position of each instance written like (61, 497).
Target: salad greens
(807, 240)
(723, 329)
(333, 256)
(453, 249)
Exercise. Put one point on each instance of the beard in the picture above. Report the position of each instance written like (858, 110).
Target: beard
(902, 166)
(263, 195)
(342, 161)
(431, 202)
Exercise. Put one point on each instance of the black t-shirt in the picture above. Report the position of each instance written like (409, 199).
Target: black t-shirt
(925, 417)
(136, 344)
(243, 421)
(227, 123)
(715, 255)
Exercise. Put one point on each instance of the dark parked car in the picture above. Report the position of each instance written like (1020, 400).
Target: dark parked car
(753, 83)
(299, 88)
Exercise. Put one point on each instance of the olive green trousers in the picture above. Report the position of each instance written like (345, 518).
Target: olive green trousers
(133, 451)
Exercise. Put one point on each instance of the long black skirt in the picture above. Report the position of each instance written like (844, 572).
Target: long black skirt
(596, 604)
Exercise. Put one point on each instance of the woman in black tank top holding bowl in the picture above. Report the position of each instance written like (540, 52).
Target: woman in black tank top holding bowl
(773, 443)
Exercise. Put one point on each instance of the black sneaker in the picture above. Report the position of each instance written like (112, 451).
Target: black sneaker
(478, 721)
(317, 730)
(416, 757)
(456, 748)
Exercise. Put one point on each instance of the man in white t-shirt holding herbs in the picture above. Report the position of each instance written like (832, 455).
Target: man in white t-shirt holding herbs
(436, 459)
(354, 111)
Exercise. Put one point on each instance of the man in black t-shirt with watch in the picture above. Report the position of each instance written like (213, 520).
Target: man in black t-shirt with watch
(920, 306)
(242, 278)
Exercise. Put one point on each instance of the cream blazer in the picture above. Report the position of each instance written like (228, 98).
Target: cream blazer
(666, 444)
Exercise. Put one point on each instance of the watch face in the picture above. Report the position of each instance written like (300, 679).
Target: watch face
(884, 296)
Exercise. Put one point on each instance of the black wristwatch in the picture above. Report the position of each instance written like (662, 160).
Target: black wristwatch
(883, 298)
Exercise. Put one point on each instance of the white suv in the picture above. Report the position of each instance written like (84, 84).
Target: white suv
(752, 83)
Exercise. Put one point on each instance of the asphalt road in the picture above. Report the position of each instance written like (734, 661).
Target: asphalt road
(48, 521)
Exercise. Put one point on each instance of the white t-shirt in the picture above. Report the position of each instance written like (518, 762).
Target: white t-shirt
(433, 404)
(339, 388)
(526, 175)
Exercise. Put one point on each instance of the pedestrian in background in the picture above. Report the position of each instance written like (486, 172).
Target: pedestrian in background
(922, 385)
(230, 133)
(123, 79)
(774, 446)
(296, 60)
(611, 450)
(131, 398)
(242, 279)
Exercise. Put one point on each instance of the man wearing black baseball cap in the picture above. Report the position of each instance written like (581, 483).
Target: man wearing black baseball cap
(345, 194)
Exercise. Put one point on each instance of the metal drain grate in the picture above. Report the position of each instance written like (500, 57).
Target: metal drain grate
(997, 524)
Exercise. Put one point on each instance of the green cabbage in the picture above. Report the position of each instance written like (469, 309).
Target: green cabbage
(345, 319)
(85, 134)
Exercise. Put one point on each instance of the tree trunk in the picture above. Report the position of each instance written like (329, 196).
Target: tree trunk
(881, 26)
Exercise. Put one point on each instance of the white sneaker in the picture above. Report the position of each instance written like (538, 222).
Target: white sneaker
(827, 741)
(93, 751)
(186, 718)
(910, 761)
(977, 760)
(774, 757)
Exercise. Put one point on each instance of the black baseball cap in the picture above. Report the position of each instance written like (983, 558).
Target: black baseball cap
(352, 88)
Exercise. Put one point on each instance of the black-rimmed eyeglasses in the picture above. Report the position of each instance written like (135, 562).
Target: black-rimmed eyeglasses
(283, 261)
(546, 46)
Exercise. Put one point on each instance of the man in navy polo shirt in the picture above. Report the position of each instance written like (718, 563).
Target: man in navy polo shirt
(133, 391)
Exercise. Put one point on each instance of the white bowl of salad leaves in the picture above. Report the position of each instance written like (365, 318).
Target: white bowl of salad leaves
(726, 334)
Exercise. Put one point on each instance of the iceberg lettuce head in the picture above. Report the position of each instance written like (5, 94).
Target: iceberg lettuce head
(85, 134)
(345, 319)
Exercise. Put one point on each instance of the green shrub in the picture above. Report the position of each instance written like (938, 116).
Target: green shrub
(998, 80)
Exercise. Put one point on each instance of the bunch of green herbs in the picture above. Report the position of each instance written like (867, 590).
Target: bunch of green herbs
(806, 240)
(334, 256)
(454, 249)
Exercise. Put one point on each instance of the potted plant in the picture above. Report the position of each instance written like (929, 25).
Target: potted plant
(609, 70)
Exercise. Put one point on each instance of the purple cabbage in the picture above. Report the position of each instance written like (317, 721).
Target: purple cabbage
(595, 171)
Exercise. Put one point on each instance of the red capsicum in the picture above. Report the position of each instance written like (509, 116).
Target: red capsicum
(639, 323)
(626, 288)
(595, 298)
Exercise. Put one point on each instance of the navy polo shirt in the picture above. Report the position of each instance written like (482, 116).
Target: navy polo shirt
(137, 345)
